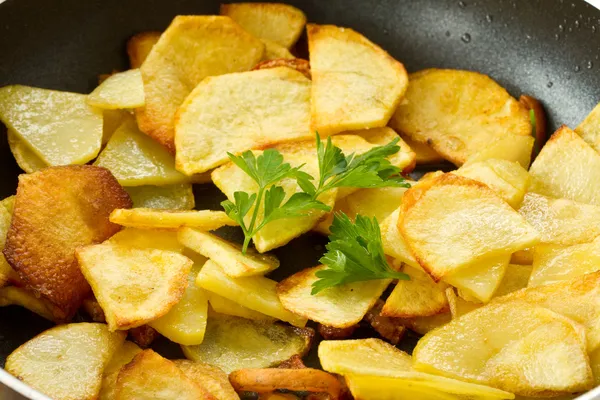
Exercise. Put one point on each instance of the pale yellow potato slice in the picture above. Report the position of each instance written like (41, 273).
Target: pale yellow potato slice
(191, 49)
(480, 280)
(378, 202)
(59, 127)
(111, 121)
(233, 343)
(66, 362)
(458, 305)
(136, 159)
(225, 306)
(12, 295)
(26, 158)
(274, 51)
(7, 273)
(212, 378)
(134, 285)
(419, 296)
(510, 147)
(589, 129)
(515, 278)
(273, 108)
(228, 255)
(394, 244)
(453, 212)
(147, 239)
(340, 306)
(577, 178)
(147, 218)
(122, 356)
(280, 23)
(356, 84)
(458, 113)
(169, 197)
(384, 388)
(120, 90)
(423, 152)
(139, 46)
(254, 292)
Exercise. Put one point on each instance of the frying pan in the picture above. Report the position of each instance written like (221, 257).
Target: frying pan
(546, 48)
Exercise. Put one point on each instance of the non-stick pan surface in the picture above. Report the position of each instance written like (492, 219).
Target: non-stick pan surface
(546, 48)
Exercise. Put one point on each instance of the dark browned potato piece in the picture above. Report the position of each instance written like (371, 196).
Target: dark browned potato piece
(390, 329)
(139, 46)
(93, 309)
(294, 362)
(331, 333)
(57, 210)
(143, 335)
(300, 65)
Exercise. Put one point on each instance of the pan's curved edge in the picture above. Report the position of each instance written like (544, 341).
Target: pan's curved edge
(17, 386)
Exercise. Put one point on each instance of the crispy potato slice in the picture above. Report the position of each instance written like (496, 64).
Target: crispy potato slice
(459, 213)
(120, 90)
(122, 356)
(233, 343)
(228, 255)
(212, 378)
(458, 113)
(147, 239)
(280, 96)
(576, 178)
(277, 22)
(59, 127)
(510, 147)
(134, 285)
(394, 244)
(66, 362)
(139, 46)
(56, 211)
(418, 297)
(136, 159)
(589, 129)
(191, 49)
(341, 306)
(270, 379)
(12, 295)
(515, 278)
(150, 376)
(147, 218)
(7, 274)
(225, 306)
(169, 197)
(26, 158)
(481, 280)
(356, 84)
(274, 51)
(300, 65)
(423, 152)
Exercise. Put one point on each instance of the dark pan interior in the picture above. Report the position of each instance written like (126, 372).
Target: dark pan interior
(546, 48)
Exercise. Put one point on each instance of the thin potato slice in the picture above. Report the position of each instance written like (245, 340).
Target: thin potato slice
(121, 357)
(458, 113)
(26, 158)
(233, 343)
(423, 325)
(147, 239)
(522, 257)
(510, 147)
(423, 152)
(384, 388)
(254, 292)
(378, 202)
(66, 362)
(453, 212)
(515, 278)
(269, 379)
(273, 108)
(212, 378)
(300, 65)
(394, 244)
(136, 159)
(12, 295)
(139, 46)
(134, 285)
(228, 255)
(595, 364)
(458, 305)
(356, 84)
(225, 306)
(168, 197)
(191, 49)
(340, 306)
(120, 90)
(589, 129)
(274, 51)
(147, 218)
(111, 121)
(391, 329)
(57, 210)
(481, 280)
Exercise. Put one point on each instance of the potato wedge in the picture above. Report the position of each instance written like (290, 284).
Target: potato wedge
(225, 306)
(147, 239)
(340, 306)
(147, 218)
(423, 152)
(168, 197)
(26, 158)
(122, 356)
(12, 295)
(458, 113)
(459, 213)
(139, 46)
(66, 362)
(300, 65)
(356, 84)
(266, 380)
(41, 246)
(589, 129)
(515, 278)
(120, 90)
(212, 378)
(134, 285)
(254, 292)
(7, 273)
(59, 127)
(191, 49)
(481, 280)
(233, 343)
(510, 147)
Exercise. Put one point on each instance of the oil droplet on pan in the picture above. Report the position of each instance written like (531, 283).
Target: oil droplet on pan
(466, 38)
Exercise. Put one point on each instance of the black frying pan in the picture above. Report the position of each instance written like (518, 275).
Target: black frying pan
(546, 48)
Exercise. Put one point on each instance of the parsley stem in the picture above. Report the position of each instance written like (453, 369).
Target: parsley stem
(251, 231)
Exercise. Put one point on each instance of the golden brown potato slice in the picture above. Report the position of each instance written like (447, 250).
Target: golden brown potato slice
(26, 158)
(422, 325)
(212, 378)
(340, 306)
(423, 152)
(134, 285)
(139, 46)
(66, 362)
(191, 49)
(300, 65)
(576, 179)
(458, 113)
(589, 129)
(510, 147)
(59, 127)
(12, 295)
(225, 306)
(168, 197)
(277, 22)
(266, 380)
(462, 214)
(479, 281)
(147, 239)
(120, 90)
(148, 218)
(515, 278)
(56, 211)
(122, 356)
(356, 84)
(7, 273)
(150, 376)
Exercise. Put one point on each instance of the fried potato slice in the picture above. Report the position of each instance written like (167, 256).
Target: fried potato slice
(147, 239)
(423, 152)
(66, 362)
(12, 295)
(509, 147)
(122, 356)
(462, 214)
(340, 306)
(212, 378)
(515, 278)
(56, 211)
(589, 129)
(139, 46)
(422, 325)
(136, 159)
(273, 108)
(458, 113)
(233, 343)
(148, 218)
(391, 329)
(254, 292)
(274, 51)
(120, 90)
(300, 65)
(111, 121)
(378, 202)
(26, 158)
(481, 280)
(356, 84)
(59, 127)
(168, 197)
(7, 274)
(394, 244)
(134, 285)
(228, 255)
(150, 376)
(269, 379)
(225, 306)
(576, 179)
(143, 335)
(522, 257)
(191, 49)
(458, 305)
